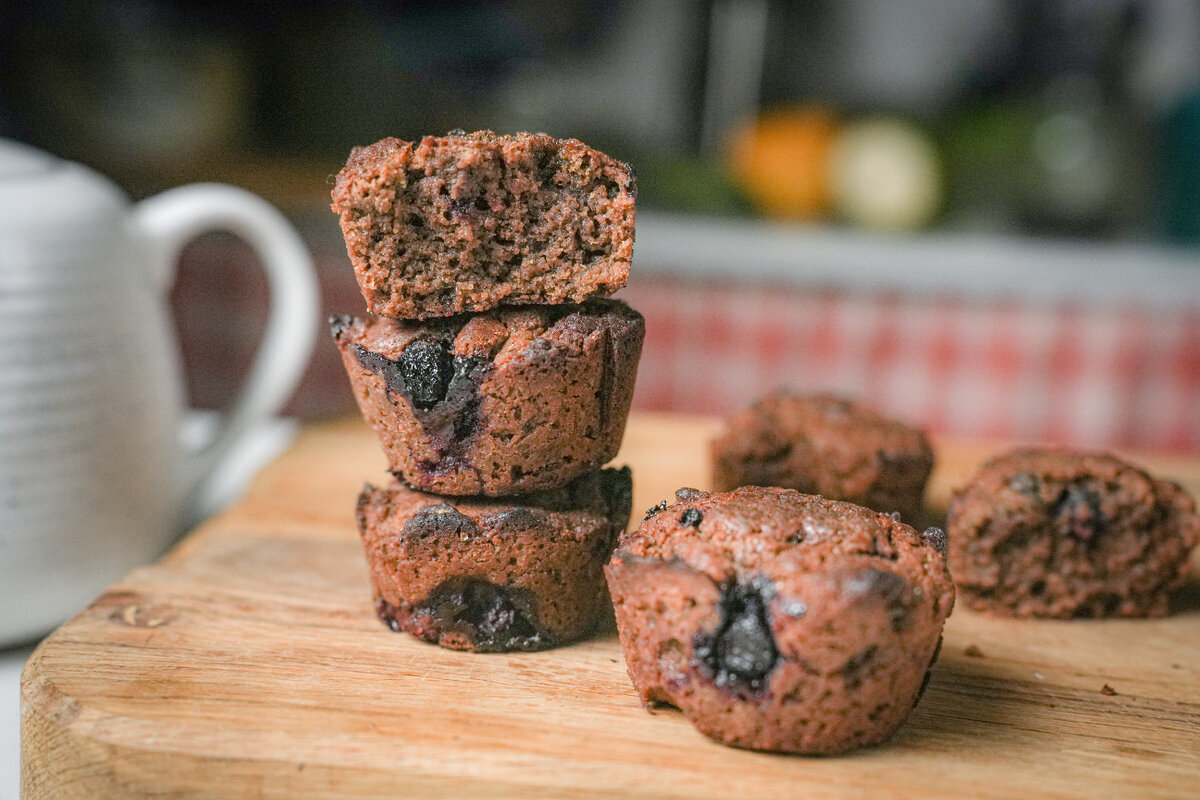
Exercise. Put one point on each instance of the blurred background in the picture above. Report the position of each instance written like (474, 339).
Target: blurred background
(982, 216)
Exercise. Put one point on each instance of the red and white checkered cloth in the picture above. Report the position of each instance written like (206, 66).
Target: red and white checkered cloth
(1089, 377)
(1086, 376)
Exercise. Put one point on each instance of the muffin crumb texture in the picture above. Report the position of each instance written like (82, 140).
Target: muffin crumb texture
(468, 222)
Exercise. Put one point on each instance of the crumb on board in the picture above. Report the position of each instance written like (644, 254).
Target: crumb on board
(972, 651)
(1108, 691)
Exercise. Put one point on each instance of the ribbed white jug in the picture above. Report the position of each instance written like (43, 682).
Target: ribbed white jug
(93, 476)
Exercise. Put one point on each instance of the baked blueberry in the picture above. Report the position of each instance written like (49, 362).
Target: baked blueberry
(494, 619)
(426, 367)
(937, 537)
(1078, 510)
(740, 653)
(655, 509)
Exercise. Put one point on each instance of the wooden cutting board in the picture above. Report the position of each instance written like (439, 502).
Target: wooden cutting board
(249, 663)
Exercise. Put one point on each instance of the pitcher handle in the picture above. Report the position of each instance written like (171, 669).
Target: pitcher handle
(168, 221)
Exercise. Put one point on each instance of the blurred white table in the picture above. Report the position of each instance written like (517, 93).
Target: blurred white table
(11, 662)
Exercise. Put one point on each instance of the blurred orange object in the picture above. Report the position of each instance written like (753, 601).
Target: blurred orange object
(781, 161)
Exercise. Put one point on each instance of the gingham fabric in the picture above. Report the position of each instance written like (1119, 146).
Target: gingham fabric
(1102, 377)
(1089, 377)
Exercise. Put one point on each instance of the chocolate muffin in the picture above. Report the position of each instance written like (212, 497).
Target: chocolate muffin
(777, 620)
(826, 445)
(494, 576)
(501, 403)
(1056, 533)
(466, 222)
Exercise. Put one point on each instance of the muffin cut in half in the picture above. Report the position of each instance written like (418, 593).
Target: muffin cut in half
(467, 222)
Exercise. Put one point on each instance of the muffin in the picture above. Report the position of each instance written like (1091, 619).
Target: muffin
(1057, 533)
(502, 403)
(826, 445)
(467, 222)
(780, 621)
(494, 575)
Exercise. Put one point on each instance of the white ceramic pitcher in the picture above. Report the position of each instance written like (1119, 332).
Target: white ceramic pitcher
(94, 478)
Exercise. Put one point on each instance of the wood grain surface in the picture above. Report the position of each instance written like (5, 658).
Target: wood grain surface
(249, 663)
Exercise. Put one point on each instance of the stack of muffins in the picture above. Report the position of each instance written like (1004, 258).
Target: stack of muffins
(497, 378)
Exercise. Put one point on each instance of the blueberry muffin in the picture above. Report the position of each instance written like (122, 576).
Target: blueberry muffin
(1056, 533)
(782, 621)
(494, 575)
(467, 222)
(507, 402)
(826, 445)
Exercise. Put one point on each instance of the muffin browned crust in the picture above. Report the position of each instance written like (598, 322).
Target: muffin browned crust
(501, 403)
(781, 621)
(494, 575)
(467, 222)
(826, 445)
(1056, 533)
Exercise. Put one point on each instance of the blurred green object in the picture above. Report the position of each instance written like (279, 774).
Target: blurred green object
(1057, 165)
(983, 147)
(692, 185)
(1181, 171)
